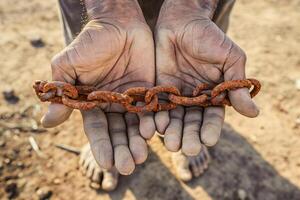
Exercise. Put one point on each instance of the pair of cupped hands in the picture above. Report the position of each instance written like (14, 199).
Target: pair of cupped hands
(116, 50)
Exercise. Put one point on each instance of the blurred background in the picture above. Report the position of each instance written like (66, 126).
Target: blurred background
(258, 158)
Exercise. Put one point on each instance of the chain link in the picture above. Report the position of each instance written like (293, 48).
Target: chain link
(88, 97)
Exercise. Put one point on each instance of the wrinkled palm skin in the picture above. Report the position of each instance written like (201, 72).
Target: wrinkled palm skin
(114, 52)
(191, 49)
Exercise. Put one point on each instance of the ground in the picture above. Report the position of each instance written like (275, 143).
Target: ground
(257, 157)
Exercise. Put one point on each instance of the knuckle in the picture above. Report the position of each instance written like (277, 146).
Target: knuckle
(243, 55)
(60, 61)
(56, 60)
(239, 53)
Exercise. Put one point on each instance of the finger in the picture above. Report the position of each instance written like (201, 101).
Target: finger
(96, 129)
(61, 71)
(191, 145)
(242, 102)
(55, 115)
(117, 129)
(147, 124)
(162, 120)
(234, 70)
(173, 134)
(137, 144)
(213, 118)
(166, 63)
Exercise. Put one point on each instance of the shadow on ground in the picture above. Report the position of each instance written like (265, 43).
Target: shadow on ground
(236, 165)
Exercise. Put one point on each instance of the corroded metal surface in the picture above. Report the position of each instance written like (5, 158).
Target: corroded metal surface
(88, 97)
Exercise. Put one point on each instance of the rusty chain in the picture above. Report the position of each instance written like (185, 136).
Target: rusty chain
(88, 97)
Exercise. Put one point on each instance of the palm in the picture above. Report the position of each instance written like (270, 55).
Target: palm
(110, 57)
(192, 50)
(200, 50)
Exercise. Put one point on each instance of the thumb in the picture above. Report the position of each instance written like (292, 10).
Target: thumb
(61, 71)
(235, 70)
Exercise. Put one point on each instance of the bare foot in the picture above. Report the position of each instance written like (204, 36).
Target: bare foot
(102, 178)
(188, 167)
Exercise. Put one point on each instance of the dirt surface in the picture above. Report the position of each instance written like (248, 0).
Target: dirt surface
(259, 157)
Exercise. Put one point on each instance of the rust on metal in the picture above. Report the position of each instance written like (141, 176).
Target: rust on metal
(88, 97)
(159, 90)
(188, 101)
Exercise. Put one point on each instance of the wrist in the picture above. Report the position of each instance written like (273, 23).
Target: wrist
(116, 9)
(205, 8)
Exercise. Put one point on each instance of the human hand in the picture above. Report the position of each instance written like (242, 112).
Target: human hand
(191, 49)
(113, 52)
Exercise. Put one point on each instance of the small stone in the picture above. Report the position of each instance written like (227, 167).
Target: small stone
(7, 161)
(20, 165)
(10, 177)
(297, 84)
(37, 41)
(22, 182)
(57, 181)
(12, 190)
(12, 155)
(16, 137)
(44, 193)
(10, 97)
(7, 133)
(20, 175)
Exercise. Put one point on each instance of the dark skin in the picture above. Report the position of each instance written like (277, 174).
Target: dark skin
(191, 50)
(114, 52)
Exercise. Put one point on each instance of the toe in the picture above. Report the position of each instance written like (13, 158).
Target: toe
(97, 174)
(110, 179)
(181, 164)
(196, 169)
(83, 153)
(90, 170)
(86, 163)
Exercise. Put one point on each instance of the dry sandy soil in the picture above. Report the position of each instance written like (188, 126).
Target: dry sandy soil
(259, 156)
